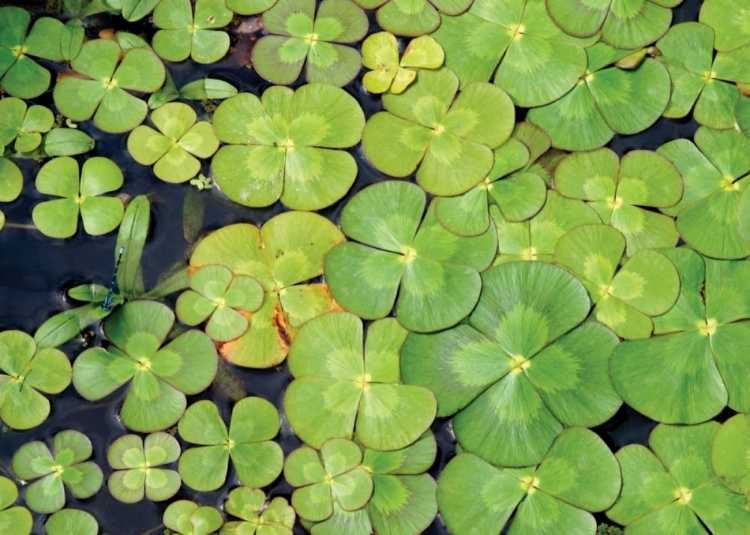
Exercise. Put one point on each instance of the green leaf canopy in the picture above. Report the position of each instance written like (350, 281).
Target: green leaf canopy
(521, 368)
(81, 195)
(401, 250)
(70, 521)
(282, 256)
(301, 35)
(415, 17)
(388, 72)
(23, 124)
(275, 518)
(695, 366)
(64, 466)
(621, 192)
(14, 520)
(188, 31)
(184, 517)
(284, 146)
(28, 370)
(606, 100)
(673, 485)
(329, 360)
(447, 140)
(102, 84)
(578, 476)
(728, 19)
(257, 459)
(159, 376)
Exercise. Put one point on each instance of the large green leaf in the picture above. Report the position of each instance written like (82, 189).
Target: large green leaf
(730, 30)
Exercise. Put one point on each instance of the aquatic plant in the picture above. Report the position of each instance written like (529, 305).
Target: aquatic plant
(11, 184)
(14, 520)
(380, 54)
(70, 521)
(184, 517)
(133, 10)
(66, 142)
(23, 124)
(201, 89)
(273, 518)
(719, 15)
(729, 454)
(413, 18)
(250, 7)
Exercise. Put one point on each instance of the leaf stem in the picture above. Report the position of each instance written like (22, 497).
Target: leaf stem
(20, 225)
(153, 530)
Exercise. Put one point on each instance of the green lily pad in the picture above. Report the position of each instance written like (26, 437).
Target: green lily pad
(282, 256)
(578, 476)
(14, 520)
(52, 471)
(673, 484)
(447, 142)
(606, 100)
(715, 173)
(101, 88)
(694, 367)
(80, 196)
(184, 517)
(301, 35)
(22, 124)
(175, 148)
(729, 454)
(413, 18)
(399, 248)
(283, 146)
(626, 297)
(257, 459)
(524, 349)
(67, 142)
(29, 371)
(728, 18)
(187, 31)
(11, 180)
(330, 476)
(159, 377)
(622, 191)
(380, 54)
(69, 521)
(365, 379)
(136, 465)
(273, 518)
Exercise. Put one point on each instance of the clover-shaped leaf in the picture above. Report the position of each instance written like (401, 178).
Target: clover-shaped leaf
(69, 521)
(136, 465)
(28, 370)
(402, 250)
(330, 476)
(413, 18)
(577, 477)
(619, 191)
(102, 84)
(730, 452)
(728, 19)
(64, 466)
(81, 197)
(715, 173)
(257, 517)
(448, 140)
(380, 54)
(22, 124)
(626, 297)
(695, 366)
(14, 520)
(184, 517)
(282, 256)
(188, 31)
(329, 357)
(606, 100)
(301, 35)
(161, 376)
(673, 484)
(538, 63)
(281, 146)
(176, 146)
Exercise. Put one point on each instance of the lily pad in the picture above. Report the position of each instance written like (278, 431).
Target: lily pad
(447, 140)
(22, 124)
(14, 520)
(102, 84)
(69, 521)
(81, 196)
(283, 146)
(399, 248)
(525, 349)
(301, 35)
(577, 477)
(257, 459)
(606, 100)
(187, 30)
(673, 484)
(728, 18)
(730, 452)
(273, 518)
(282, 256)
(184, 517)
(413, 18)
(53, 471)
(694, 367)
(176, 146)
(627, 296)
(622, 191)
(27, 371)
(380, 54)
(159, 377)
(137, 473)
(329, 358)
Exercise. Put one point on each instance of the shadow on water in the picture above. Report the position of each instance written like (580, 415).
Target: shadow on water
(35, 272)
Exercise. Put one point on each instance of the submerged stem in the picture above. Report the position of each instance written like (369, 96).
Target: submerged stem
(20, 225)
(153, 530)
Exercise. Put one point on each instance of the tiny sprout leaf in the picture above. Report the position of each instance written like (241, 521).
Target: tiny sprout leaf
(380, 54)
(184, 517)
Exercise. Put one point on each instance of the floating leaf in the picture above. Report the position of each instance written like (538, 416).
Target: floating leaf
(274, 518)
(189, 31)
(65, 326)
(11, 180)
(184, 517)
(207, 88)
(13, 520)
(66, 142)
(380, 54)
(133, 10)
(729, 454)
(22, 124)
(728, 19)
(413, 18)
(69, 521)
(131, 239)
(250, 7)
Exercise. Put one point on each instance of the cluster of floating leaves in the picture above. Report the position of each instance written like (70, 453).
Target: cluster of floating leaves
(524, 280)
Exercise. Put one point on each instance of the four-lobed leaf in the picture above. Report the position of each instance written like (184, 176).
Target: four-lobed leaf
(414, 17)
(187, 30)
(23, 124)
(380, 54)
(257, 516)
(184, 517)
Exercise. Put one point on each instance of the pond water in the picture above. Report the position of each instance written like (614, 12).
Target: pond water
(35, 273)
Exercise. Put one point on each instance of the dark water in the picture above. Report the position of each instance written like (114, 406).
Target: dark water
(35, 272)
